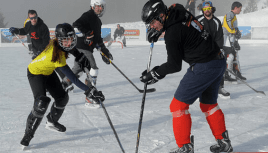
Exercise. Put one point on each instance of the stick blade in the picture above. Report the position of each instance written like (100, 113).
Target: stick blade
(261, 92)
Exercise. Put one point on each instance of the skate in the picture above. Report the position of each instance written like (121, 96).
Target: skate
(239, 75)
(228, 78)
(223, 145)
(187, 148)
(223, 93)
(54, 126)
(26, 140)
(67, 87)
(90, 103)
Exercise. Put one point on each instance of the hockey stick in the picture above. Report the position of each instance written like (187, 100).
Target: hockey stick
(143, 99)
(21, 41)
(141, 91)
(245, 82)
(111, 124)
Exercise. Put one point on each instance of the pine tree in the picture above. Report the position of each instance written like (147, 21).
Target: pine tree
(2, 25)
(252, 7)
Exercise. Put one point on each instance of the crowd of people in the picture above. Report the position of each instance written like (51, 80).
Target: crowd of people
(208, 45)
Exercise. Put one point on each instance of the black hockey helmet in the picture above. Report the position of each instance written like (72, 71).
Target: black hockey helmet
(152, 9)
(208, 3)
(65, 32)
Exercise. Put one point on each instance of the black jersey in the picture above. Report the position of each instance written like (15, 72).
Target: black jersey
(214, 28)
(185, 40)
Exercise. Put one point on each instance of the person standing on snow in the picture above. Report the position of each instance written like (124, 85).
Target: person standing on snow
(213, 26)
(186, 40)
(89, 24)
(42, 77)
(231, 46)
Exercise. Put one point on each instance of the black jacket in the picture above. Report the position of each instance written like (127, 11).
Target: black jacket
(185, 42)
(119, 32)
(89, 21)
(213, 27)
(39, 34)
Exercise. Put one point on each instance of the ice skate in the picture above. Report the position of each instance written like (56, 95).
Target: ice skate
(26, 140)
(54, 126)
(239, 75)
(187, 148)
(223, 145)
(228, 78)
(90, 103)
(222, 93)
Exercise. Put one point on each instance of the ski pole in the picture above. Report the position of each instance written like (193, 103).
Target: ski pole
(140, 90)
(143, 99)
(111, 124)
(245, 82)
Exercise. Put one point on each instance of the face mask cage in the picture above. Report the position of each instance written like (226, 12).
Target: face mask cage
(72, 37)
(103, 9)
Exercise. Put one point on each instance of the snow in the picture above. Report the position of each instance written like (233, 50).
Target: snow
(88, 130)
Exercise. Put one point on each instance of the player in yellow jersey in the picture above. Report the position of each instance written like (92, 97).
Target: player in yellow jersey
(42, 77)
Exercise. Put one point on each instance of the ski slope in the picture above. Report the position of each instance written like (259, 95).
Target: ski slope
(88, 130)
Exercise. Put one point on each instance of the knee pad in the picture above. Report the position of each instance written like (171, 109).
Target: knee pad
(209, 109)
(229, 61)
(178, 108)
(40, 106)
(93, 72)
(60, 103)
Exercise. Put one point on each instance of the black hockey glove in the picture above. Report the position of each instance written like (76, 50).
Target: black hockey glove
(238, 34)
(153, 35)
(151, 77)
(14, 31)
(82, 61)
(89, 38)
(93, 93)
(107, 55)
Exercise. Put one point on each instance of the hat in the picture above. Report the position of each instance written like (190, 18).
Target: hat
(207, 3)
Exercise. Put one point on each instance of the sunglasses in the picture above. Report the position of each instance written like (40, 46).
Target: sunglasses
(35, 17)
(207, 9)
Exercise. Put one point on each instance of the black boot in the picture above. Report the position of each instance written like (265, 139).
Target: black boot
(54, 125)
(224, 145)
(31, 126)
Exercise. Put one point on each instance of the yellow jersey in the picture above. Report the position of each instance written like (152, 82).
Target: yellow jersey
(27, 20)
(42, 64)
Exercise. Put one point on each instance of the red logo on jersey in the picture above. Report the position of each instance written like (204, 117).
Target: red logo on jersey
(33, 35)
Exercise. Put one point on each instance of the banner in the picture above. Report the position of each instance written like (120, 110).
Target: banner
(6, 37)
(245, 31)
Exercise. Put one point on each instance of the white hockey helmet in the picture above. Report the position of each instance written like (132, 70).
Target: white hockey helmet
(101, 3)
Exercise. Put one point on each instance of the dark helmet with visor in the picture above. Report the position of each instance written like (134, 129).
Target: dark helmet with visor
(65, 32)
(151, 11)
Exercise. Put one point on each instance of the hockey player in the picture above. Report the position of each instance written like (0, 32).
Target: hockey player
(41, 76)
(89, 24)
(119, 32)
(37, 30)
(186, 40)
(213, 26)
(230, 47)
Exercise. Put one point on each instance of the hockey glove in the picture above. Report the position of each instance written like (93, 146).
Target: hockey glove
(14, 31)
(82, 61)
(238, 34)
(107, 55)
(153, 35)
(151, 77)
(89, 38)
(93, 93)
